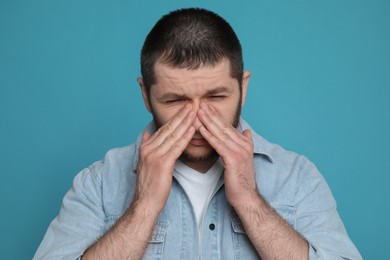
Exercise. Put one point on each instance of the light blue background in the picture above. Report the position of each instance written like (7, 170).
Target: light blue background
(320, 86)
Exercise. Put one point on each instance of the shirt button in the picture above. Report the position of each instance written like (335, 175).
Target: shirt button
(211, 226)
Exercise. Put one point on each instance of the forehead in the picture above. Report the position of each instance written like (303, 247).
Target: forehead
(183, 80)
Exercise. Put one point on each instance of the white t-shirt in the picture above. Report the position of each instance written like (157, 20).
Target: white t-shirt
(198, 186)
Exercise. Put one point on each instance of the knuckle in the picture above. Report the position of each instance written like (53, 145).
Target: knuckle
(178, 146)
(161, 131)
(143, 151)
(171, 136)
(166, 128)
(147, 156)
(225, 130)
(174, 149)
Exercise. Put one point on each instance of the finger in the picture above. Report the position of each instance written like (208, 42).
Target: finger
(177, 135)
(228, 149)
(248, 134)
(172, 123)
(163, 142)
(177, 148)
(217, 125)
(145, 136)
(222, 147)
(165, 130)
(211, 117)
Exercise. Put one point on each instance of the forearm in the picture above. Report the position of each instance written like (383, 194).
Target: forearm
(271, 235)
(158, 153)
(128, 238)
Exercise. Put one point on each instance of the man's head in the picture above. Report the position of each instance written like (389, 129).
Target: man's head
(190, 38)
(193, 56)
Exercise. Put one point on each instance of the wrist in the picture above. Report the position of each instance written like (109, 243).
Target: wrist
(142, 206)
(251, 203)
(247, 201)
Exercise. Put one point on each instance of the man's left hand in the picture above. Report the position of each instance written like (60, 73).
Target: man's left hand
(236, 152)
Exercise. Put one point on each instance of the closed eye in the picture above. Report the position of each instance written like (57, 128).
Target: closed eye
(172, 101)
(216, 97)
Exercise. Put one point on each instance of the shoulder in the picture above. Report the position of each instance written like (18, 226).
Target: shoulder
(272, 153)
(277, 154)
(279, 162)
(117, 161)
(115, 179)
(122, 156)
(278, 168)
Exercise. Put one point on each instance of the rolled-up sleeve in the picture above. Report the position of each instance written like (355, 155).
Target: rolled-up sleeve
(318, 220)
(80, 221)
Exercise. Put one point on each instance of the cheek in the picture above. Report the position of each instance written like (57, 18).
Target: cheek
(228, 111)
(228, 114)
(165, 114)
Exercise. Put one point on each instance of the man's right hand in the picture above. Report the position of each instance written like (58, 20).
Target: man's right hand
(158, 154)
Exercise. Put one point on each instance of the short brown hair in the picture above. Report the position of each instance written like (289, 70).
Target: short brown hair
(190, 38)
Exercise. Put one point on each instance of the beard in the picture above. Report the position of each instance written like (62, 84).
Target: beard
(186, 156)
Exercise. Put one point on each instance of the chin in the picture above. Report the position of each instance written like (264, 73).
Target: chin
(199, 154)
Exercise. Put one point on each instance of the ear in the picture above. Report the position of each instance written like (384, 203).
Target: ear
(244, 85)
(144, 93)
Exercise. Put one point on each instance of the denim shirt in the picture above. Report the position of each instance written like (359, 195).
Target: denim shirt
(289, 182)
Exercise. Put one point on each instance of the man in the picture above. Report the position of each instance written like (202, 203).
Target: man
(199, 183)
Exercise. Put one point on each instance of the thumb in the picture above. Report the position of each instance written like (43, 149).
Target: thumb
(145, 136)
(247, 133)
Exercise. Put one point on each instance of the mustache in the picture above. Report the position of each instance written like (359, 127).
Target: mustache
(197, 135)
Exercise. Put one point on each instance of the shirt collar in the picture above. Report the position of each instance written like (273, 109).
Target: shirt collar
(151, 128)
(260, 145)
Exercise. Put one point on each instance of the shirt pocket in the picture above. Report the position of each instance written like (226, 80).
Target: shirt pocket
(285, 211)
(288, 213)
(109, 222)
(155, 248)
(242, 246)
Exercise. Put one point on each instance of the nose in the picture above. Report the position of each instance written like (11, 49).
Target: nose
(197, 124)
(195, 106)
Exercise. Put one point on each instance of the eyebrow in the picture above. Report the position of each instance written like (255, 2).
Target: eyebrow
(219, 90)
(214, 91)
(171, 95)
